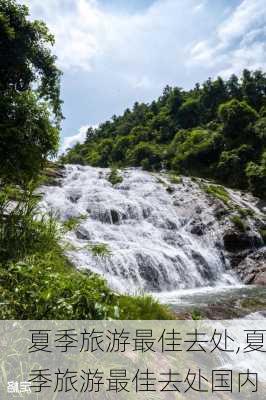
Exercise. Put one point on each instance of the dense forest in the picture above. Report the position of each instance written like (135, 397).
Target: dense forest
(216, 130)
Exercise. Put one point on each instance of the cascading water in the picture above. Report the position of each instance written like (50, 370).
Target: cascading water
(160, 236)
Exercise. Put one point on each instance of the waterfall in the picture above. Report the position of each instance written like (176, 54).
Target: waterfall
(160, 236)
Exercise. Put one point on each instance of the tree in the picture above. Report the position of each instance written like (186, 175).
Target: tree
(189, 114)
(236, 116)
(145, 154)
(30, 105)
(234, 88)
(256, 175)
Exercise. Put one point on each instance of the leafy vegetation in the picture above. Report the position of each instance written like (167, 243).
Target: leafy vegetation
(73, 222)
(114, 177)
(100, 250)
(216, 130)
(238, 223)
(218, 192)
(29, 119)
(175, 179)
(36, 279)
(38, 282)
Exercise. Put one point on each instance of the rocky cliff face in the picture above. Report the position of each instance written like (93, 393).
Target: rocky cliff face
(157, 232)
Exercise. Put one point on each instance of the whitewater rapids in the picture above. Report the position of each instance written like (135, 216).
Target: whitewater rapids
(148, 225)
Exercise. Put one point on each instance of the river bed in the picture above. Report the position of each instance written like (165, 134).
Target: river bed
(225, 302)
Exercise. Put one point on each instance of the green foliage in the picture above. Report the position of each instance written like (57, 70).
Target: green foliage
(26, 56)
(238, 223)
(256, 174)
(195, 150)
(236, 117)
(73, 222)
(144, 307)
(38, 282)
(209, 131)
(245, 212)
(22, 229)
(234, 160)
(189, 113)
(146, 155)
(196, 315)
(46, 286)
(100, 250)
(218, 192)
(29, 119)
(27, 137)
(175, 179)
(114, 177)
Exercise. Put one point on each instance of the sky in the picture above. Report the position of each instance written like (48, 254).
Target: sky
(116, 52)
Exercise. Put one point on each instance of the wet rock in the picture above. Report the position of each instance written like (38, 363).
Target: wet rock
(220, 211)
(249, 279)
(106, 216)
(223, 311)
(198, 210)
(171, 225)
(74, 197)
(148, 272)
(260, 279)
(82, 233)
(114, 216)
(252, 270)
(146, 212)
(203, 266)
(235, 241)
(197, 229)
(170, 189)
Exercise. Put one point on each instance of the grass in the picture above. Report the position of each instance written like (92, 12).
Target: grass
(245, 212)
(73, 222)
(218, 192)
(175, 179)
(47, 286)
(238, 223)
(114, 177)
(196, 315)
(37, 281)
(100, 250)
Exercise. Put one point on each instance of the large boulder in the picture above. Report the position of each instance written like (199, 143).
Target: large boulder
(260, 279)
(235, 241)
(252, 270)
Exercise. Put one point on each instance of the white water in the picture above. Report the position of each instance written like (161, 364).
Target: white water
(147, 229)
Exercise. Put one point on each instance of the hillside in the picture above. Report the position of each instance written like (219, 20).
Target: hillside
(170, 235)
(215, 129)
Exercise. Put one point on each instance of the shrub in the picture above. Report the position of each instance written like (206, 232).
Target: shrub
(236, 116)
(256, 175)
(23, 230)
(234, 160)
(146, 151)
(100, 250)
(195, 151)
(114, 177)
(189, 114)
(73, 222)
